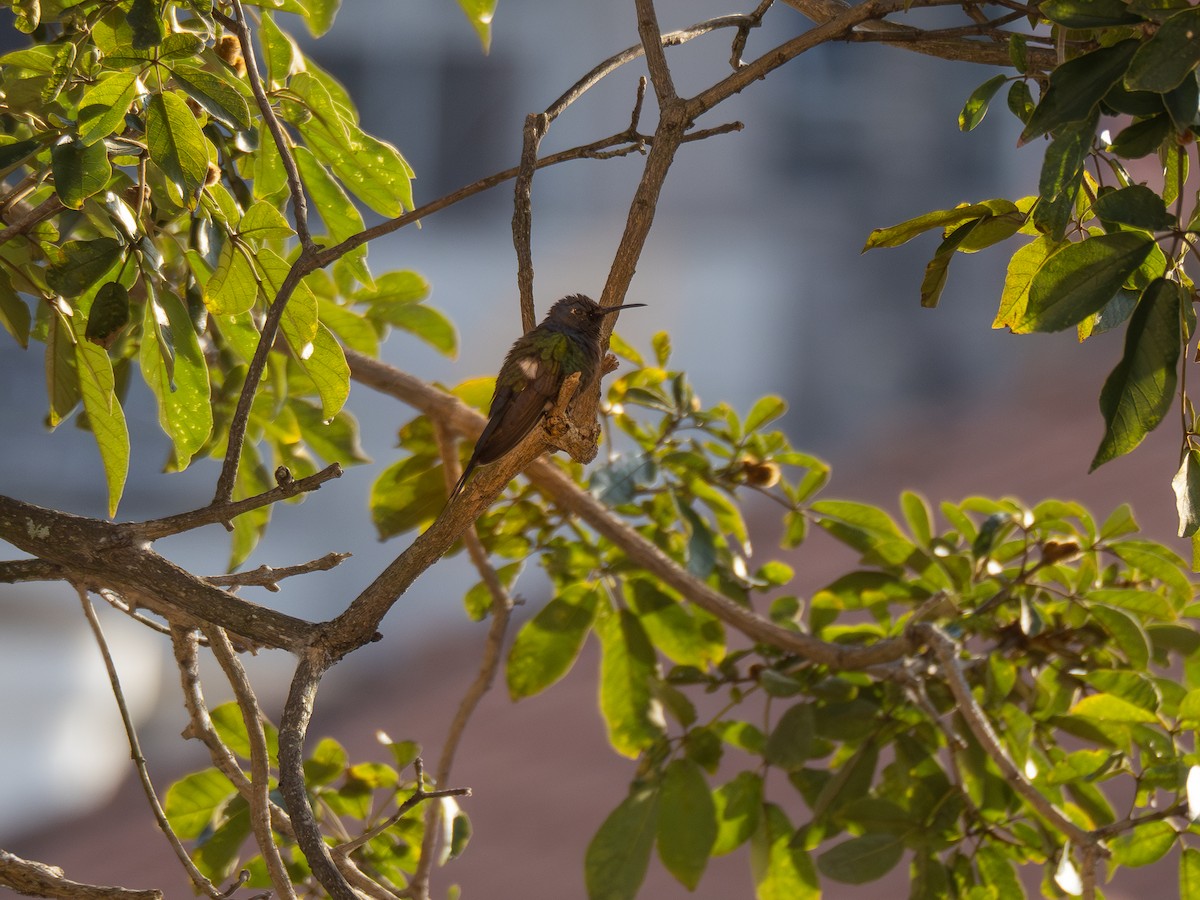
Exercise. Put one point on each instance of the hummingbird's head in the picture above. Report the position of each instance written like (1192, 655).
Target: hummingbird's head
(578, 311)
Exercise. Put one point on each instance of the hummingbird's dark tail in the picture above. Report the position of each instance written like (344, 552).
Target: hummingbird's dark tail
(470, 467)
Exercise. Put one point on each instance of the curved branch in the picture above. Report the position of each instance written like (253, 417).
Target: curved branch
(554, 483)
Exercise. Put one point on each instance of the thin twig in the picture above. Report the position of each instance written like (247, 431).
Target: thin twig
(225, 511)
(420, 795)
(945, 652)
(522, 221)
(260, 763)
(135, 751)
(31, 217)
(268, 577)
(489, 664)
(295, 186)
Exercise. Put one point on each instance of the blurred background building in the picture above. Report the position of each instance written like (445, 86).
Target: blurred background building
(754, 267)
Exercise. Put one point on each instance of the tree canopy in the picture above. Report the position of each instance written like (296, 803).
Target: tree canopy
(993, 687)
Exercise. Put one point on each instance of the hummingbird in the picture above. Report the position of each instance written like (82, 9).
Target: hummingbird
(566, 341)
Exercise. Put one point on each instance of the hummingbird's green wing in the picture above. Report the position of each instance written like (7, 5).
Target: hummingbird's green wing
(528, 385)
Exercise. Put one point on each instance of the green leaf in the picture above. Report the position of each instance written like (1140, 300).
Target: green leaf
(547, 646)
(1023, 265)
(325, 365)
(420, 320)
(1062, 167)
(1110, 708)
(327, 763)
(192, 803)
(14, 313)
(620, 479)
(106, 419)
(219, 99)
(1077, 86)
(1126, 631)
(176, 142)
(738, 808)
(233, 286)
(1186, 485)
(976, 106)
(182, 390)
(687, 635)
(1141, 389)
(1089, 13)
(334, 440)
(480, 13)
(618, 856)
(780, 871)
(262, 222)
(103, 106)
(895, 235)
(1143, 845)
(1020, 100)
(407, 494)
(1080, 278)
(1189, 874)
(231, 729)
(338, 212)
(791, 743)
(1136, 206)
(1162, 62)
(765, 410)
(1154, 559)
(280, 52)
(861, 859)
(687, 826)
(634, 718)
(109, 314)
(83, 263)
(1141, 138)
(146, 22)
(62, 380)
(79, 171)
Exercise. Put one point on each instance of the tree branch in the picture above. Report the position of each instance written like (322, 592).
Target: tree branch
(945, 652)
(268, 577)
(100, 555)
(37, 879)
(910, 38)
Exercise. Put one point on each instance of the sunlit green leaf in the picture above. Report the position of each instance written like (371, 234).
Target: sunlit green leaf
(1079, 278)
(220, 99)
(193, 802)
(547, 646)
(976, 106)
(634, 718)
(176, 142)
(103, 106)
(738, 807)
(780, 871)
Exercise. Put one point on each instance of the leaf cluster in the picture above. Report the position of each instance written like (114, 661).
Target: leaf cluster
(1103, 250)
(154, 232)
(352, 800)
(1075, 630)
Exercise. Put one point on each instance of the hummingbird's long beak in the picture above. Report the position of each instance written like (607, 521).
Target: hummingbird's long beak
(612, 309)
